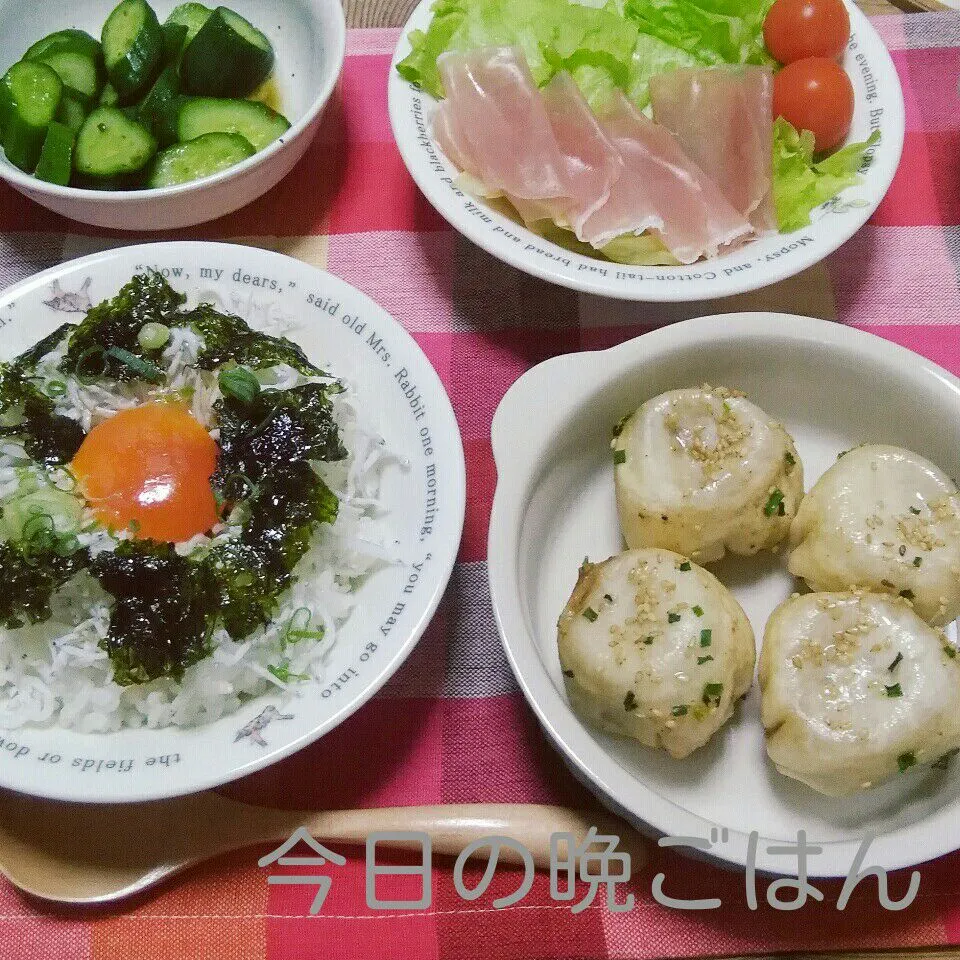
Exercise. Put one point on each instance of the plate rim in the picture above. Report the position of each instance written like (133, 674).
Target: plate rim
(587, 760)
(457, 485)
(437, 195)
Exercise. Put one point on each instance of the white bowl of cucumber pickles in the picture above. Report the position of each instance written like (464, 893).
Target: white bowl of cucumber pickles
(153, 115)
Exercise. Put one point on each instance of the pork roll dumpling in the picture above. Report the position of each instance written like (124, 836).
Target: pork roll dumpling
(856, 689)
(887, 520)
(655, 648)
(702, 471)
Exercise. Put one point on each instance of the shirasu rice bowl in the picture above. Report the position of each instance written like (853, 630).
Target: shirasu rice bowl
(58, 671)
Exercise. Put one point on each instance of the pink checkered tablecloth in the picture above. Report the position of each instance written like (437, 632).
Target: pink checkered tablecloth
(452, 726)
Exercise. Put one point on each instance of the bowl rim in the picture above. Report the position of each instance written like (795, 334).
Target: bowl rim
(28, 182)
(399, 652)
(684, 289)
(584, 375)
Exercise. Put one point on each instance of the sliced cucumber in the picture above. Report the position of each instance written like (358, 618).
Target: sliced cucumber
(199, 158)
(159, 110)
(174, 40)
(108, 96)
(132, 48)
(29, 96)
(192, 16)
(74, 41)
(56, 157)
(73, 109)
(111, 144)
(229, 57)
(76, 70)
(254, 121)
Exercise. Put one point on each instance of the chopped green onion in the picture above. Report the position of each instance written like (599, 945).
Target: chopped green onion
(282, 672)
(915, 511)
(619, 456)
(673, 617)
(896, 662)
(698, 610)
(906, 760)
(950, 651)
(685, 566)
(680, 710)
(153, 336)
(790, 458)
(917, 561)
(774, 503)
(630, 701)
(56, 388)
(590, 614)
(702, 660)
(298, 628)
(894, 690)
(712, 693)
(142, 368)
(706, 637)
(239, 383)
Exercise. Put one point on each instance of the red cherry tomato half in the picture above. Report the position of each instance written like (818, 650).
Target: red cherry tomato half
(816, 95)
(796, 29)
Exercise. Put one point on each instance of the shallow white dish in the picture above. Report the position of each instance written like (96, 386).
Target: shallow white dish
(309, 38)
(347, 333)
(878, 105)
(833, 387)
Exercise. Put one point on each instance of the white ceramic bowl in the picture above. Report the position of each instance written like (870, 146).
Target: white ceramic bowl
(833, 387)
(351, 336)
(309, 37)
(878, 105)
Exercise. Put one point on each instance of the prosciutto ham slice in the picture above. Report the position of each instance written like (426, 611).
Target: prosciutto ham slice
(661, 190)
(721, 118)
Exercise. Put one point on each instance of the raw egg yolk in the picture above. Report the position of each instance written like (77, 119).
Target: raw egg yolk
(149, 468)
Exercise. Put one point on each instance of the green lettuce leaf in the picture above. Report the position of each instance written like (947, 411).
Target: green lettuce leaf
(800, 184)
(643, 251)
(712, 31)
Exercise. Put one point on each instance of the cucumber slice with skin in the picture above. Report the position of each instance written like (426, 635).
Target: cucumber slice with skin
(73, 109)
(229, 57)
(158, 112)
(108, 96)
(203, 157)
(56, 157)
(132, 48)
(30, 94)
(111, 144)
(77, 71)
(74, 41)
(192, 16)
(254, 121)
(174, 40)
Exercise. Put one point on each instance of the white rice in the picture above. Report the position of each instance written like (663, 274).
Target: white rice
(56, 674)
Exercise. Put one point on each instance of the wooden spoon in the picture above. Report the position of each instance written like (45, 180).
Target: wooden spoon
(90, 854)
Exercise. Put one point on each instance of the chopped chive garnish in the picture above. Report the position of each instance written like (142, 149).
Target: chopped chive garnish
(619, 456)
(630, 701)
(673, 617)
(906, 760)
(944, 761)
(712, 693)
(143, 368)
(702, 660)
(907, 594)
(774, 503)
(950, 651)
(790, 458)
(698, 610)
(56, 388)
(685, 566)
(706, 637)
(917, 561)
(915, 511)
(680, 710)
(894, 690)
(590, 614)
(896, 662)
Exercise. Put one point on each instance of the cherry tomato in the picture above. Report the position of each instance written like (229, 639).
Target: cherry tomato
(795, 29)
(816, 95)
